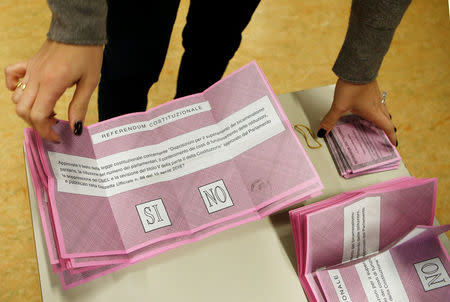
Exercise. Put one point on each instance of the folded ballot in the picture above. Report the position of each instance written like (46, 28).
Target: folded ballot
(137, 185)
(373, 244)
(358, 147)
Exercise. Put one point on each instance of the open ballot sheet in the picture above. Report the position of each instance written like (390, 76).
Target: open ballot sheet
(140, 184)
(373, 244)
(358, 147)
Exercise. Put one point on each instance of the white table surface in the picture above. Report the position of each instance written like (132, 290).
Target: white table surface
(253, 262)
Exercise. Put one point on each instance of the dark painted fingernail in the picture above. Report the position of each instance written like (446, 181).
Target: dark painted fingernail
(321, 133)
(390, 116)
(395, 129)
(396, 143)
(78, 128)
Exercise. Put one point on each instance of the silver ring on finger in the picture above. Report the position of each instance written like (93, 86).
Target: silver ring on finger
(383, 97)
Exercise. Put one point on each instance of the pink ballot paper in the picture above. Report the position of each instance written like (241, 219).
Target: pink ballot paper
(358, 147)
(141, 184)
(373, 244)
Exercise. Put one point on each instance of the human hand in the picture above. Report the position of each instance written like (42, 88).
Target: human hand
(363, 100)
(46, 76)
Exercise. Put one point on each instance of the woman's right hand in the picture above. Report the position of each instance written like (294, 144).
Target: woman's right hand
(363, 100)
(46, 76)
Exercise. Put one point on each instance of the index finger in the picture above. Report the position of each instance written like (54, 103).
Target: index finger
(13, 73)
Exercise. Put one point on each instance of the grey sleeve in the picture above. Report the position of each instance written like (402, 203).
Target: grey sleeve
(371, 28)
(78, 21)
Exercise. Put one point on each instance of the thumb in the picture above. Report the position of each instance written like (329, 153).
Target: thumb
(79, 105)
(329, 120)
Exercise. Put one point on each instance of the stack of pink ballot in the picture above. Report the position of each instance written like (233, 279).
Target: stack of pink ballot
(358, 147)
(373, 244)
(135, 186)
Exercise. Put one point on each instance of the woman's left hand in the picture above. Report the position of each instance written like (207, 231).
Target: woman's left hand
(363, 100)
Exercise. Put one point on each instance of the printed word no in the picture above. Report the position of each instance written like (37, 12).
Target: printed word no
(432, 274)
(215, 196)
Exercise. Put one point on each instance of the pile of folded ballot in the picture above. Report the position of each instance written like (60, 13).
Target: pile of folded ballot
(373, 244)
(358, 147)
(138, 185)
